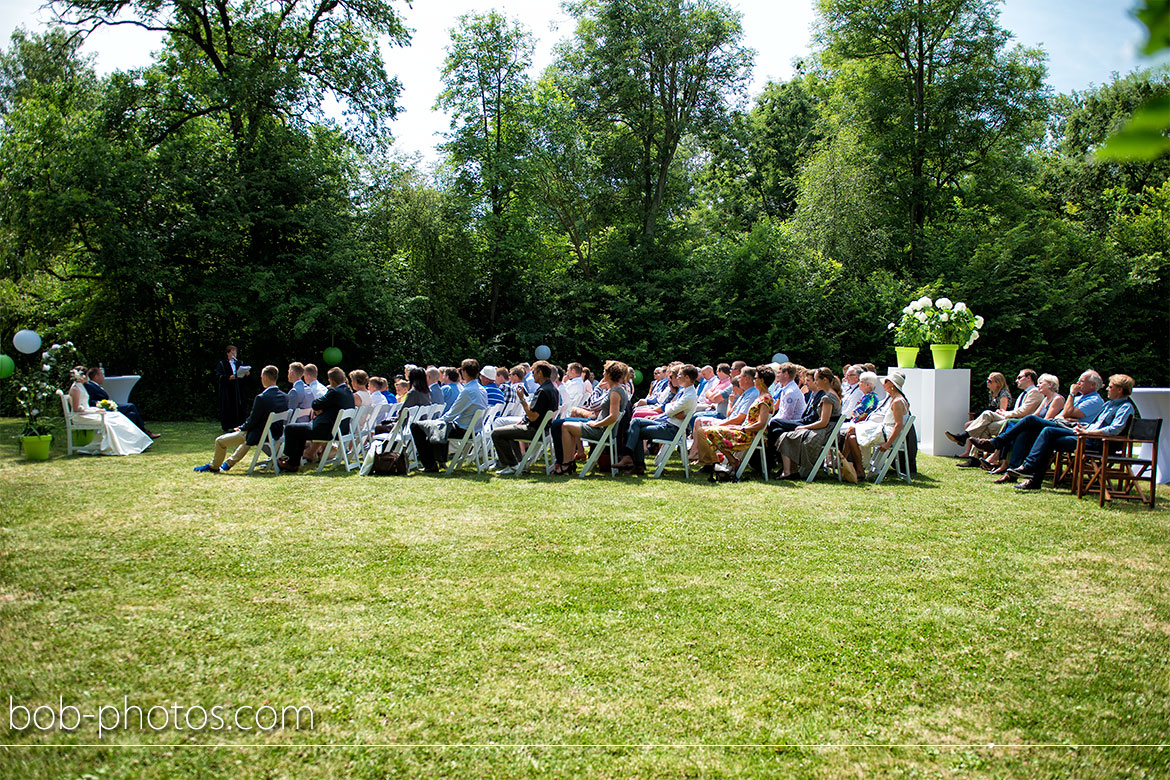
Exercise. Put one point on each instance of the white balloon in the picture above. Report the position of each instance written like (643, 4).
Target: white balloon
(26, 341)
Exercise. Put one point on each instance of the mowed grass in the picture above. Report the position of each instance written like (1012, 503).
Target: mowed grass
(597, 627)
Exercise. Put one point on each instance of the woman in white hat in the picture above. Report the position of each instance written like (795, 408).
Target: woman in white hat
(882, 426)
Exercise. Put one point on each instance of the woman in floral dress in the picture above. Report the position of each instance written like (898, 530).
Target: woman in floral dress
(726, 443)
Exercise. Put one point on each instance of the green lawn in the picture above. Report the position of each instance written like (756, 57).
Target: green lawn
(591, 627)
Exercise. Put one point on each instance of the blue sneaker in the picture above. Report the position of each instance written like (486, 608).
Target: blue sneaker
(224, 467)
(205, 468)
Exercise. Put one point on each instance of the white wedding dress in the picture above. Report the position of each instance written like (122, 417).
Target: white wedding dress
(118, 435)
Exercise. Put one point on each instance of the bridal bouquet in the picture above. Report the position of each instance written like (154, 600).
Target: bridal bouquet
(107, 405)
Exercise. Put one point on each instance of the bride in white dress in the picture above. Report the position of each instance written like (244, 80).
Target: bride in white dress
(118, 435)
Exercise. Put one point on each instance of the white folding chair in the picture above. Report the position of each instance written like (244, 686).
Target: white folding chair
(897, 455)
(342, 445)
(830, 455)
(72, 422)
(607, 442)
(362, 429)
(267, 440)
(759, 442)
(538, 445)
(300, 415)
(468, 446)
(396, 440)
(677, 444)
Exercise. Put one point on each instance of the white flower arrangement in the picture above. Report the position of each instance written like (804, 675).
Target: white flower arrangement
(940, 321)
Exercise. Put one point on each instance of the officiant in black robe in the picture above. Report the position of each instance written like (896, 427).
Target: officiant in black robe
(228, 382)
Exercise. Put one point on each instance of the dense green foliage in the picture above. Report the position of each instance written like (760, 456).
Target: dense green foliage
(626, 202)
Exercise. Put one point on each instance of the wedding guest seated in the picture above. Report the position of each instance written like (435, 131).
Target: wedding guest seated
(418, 392)
(1051, 437)
(506, 388)
(664, 425)
(300, 395)
(655, 403)
(506, 437)
(378, 387)
(402, 387)
(868, 403)
(450, 386)
(573, 388)
(881, 428)
(433, 377)
(999, 399)
(800, 448)
(314, 384)
(574, 431)
(98, 393)
(487, 378)
(781, 423)
(431, 436)
(271, 399)
(1050, 407)
(851, 392)
(588, 410)
(724, 442)
(711, 396)
(359, 383)
(338, 398)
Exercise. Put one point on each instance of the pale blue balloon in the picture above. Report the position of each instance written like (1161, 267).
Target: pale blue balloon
(779, 357)
(543, 352)
(26, 341)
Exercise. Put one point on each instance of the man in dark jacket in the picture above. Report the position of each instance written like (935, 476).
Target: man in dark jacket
(98, 393)
(326, 408)
(247, 436)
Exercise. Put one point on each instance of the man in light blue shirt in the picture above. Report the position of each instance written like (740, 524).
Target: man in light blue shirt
(791, 402)
(300, 396)
(665, 425)
(450, 386)
(431, 436)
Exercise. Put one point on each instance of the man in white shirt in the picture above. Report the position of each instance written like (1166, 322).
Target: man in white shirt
(574, 385)
(790, 404)
(665, 425)
(851, 392)
(317, 389)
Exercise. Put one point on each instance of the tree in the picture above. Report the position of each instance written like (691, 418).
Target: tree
(251, 61)
(487, 91)
(931, 83)
(660, 69)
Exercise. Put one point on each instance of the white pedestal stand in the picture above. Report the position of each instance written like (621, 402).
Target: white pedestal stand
(940, 400)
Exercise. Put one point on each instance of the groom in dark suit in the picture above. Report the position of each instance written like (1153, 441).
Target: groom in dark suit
(247, 436)
(337, 398)
(98, 393)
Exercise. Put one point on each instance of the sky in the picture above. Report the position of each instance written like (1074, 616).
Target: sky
(1086, 41)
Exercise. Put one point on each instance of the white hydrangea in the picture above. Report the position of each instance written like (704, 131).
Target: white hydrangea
(921, 317)
(907, 309)
(924, 302)
(978, 322)
(45, 367)
(890, 326)
(944, 304)
(944, 317)
(960, 306)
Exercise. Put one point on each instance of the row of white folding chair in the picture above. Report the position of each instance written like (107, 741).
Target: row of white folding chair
(270, 445)
(539, 445)
(484, 437)
(608, 441)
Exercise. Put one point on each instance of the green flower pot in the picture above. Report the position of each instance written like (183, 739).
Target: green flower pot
(82, 438)
(907, 356)
(36, 447)
(944, 355)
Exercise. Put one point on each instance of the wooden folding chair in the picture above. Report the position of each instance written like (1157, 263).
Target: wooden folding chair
(1118, 470)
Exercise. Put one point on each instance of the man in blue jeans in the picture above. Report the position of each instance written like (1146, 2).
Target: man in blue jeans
(1053, 437)
(663, 426)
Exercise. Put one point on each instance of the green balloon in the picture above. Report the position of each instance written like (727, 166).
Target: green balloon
(333, 356)
(7, 366)
(637, 376)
